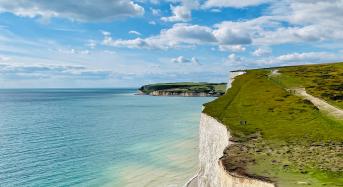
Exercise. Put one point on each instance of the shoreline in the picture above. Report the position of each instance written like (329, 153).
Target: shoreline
(192, 182)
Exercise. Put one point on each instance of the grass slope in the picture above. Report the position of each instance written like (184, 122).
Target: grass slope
(285, 139)
(324, 80)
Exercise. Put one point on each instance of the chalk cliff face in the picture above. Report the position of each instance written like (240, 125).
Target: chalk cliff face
(214, 138)
(232, 76)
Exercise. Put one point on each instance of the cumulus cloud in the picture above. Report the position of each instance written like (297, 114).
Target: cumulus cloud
(74, 51)
(297, 34)
(264, 51)
(309, 57)
(307, 21)
(233, 58)
(91, 44)
(186, 35)
(288, 22)
(313, 12)
(152, 22)
(4, 58)
(177, 36)
(155, 12)
(183, 12)
(232, 33)
(184, 60)
(135, 33)
(18, 71)
(232, 48)
(297, 58)
(82, 10)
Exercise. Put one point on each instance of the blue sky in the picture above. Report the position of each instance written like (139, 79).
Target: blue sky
(127, 43)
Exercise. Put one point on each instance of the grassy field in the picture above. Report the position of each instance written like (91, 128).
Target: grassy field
(281, 137)
(214, 88)
(324, 81)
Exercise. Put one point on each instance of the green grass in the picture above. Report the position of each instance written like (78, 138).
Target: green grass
(324, 80)
(286, 139)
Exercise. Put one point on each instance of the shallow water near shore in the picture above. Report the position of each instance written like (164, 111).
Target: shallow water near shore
(97, 137)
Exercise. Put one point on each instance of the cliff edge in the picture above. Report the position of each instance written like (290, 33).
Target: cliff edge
(263, 133)
(213, 140)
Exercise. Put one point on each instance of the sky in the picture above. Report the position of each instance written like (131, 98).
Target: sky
(128, 43)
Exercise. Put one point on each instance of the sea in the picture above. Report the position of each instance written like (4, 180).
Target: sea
(97, 137)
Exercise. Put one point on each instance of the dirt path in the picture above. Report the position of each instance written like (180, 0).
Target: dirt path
(321, 104)
(275, 72)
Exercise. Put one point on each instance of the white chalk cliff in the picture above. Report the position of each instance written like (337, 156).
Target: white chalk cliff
(214, 138)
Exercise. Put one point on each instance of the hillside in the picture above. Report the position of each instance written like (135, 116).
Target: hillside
(184, 89)
(279, 135)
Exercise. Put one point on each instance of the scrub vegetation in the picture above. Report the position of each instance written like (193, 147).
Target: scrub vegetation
(280, 137)
(324, 81)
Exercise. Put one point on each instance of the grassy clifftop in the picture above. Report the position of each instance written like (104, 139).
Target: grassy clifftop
(279, 136)
(215, 89)
(324, 80)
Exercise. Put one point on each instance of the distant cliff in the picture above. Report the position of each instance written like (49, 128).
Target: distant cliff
(185, 89)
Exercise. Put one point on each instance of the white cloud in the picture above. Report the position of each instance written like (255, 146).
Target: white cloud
(215, 10)
(232, 48)
(106, 33)
(36, 71)
(74, 51)
(293, 21)
(183, 60)
(186, 35)
(82, 10)
(4, 58)
(309, 57)
(152, 22)
(305, 12)
(135, 33)
(308, 21)
(233, 3)
(232, 33)
(91, 44)
(311, 33)
(180, 35)
(297, 58)
(285, 23)
(183, 12)
(264, 51)
(233, 58)
(155, 12)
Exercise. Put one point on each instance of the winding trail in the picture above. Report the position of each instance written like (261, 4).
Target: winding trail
(321, 104)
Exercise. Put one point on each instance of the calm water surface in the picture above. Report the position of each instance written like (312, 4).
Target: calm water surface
(96, 137)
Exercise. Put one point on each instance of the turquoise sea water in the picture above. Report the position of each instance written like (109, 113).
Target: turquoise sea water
(97, 137)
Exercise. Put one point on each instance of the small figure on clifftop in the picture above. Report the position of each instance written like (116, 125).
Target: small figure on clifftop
(243, 122)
